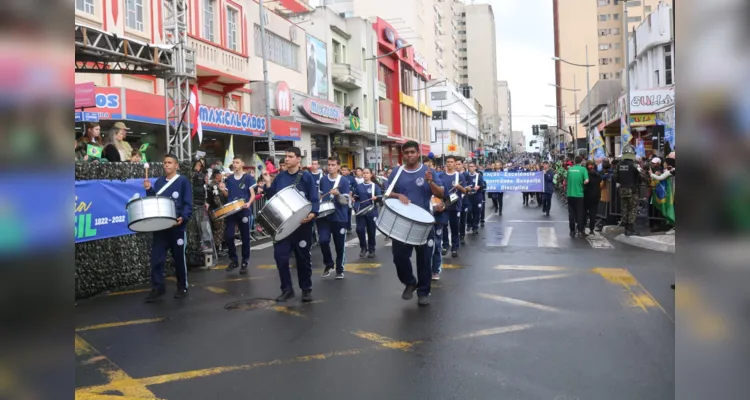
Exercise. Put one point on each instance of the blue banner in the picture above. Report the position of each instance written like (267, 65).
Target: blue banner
(514, 181)
(100, 208)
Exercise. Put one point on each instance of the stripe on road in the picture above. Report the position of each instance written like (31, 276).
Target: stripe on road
(517, 302)
(546, 237)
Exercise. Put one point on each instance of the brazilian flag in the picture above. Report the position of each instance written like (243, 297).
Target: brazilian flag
(93, 151)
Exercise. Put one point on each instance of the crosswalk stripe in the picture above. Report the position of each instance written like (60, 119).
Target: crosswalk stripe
(507, 231)
(546, 237)
(599, 242)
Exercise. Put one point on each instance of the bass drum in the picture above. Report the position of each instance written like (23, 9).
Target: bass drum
(407, 223)
(151, 214)
(284, 212)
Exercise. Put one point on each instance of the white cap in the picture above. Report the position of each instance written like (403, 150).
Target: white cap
(656, 160)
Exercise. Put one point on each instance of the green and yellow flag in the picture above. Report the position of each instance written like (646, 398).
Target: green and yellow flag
(142, 150)
(93, 150)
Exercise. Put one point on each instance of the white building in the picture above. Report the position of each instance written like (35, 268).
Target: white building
(454, 122)
(517, 141)
(506, 124)
(651, 54)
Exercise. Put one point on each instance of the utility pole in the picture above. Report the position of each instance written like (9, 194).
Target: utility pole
(269, 132)
(627, 67)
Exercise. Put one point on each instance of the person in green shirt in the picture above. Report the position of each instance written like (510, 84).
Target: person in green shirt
(577, 177)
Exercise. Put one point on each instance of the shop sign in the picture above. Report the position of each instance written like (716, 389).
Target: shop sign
(322, 111)
(283, 99)
(642, 119)
(452, 148)
(356, 142)
(354, 123)
(651, 101)
(85, 95)
(86, 116)
(400, 43)
(339, 141)
(222, 118)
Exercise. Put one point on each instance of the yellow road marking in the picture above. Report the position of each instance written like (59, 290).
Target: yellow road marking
(638, 296)
(494, 331)
(171, 279)
(224, 266)
(529, 268)
(706, 322)
(118, 381)
(287, 310)
(248, 278)
(270, 266)
(216, 290)
(533, 278)
(385, 342)
(451, 266)
(361, 268)
(201, 373)
(119, 324)
(517, 302)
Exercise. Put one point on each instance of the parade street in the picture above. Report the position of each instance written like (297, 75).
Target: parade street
(525, 312)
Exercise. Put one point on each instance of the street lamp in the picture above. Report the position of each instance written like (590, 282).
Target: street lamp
(588, 92)
(375, 99)
(575, 100)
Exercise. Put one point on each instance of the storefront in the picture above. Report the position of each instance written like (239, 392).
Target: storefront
(319, 119)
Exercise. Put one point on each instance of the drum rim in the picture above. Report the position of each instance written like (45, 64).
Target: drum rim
(224, 206)
(147, 198)
(365, 210)
(130, 223)
(408, 218)
(278, 194)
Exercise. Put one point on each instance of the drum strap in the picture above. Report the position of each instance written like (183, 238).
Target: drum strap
(297, 179)
(336, 184)
(393, 184)
(169, 182)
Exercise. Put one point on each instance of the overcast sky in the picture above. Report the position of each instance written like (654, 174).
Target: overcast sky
(525, 45)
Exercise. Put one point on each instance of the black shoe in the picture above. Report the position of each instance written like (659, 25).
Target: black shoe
(463, 240)
(362, 253)
(232, 266)
(307, 296)
(327, 272)
(454, 254)
(243, 268)
(285, 295)
(371, 254)
(481, 224)
(572, 234)
(445, 251)
(548, 213)
(181, 293)
(154, 295)
(409, 292)
(339, 275)
(423, 300)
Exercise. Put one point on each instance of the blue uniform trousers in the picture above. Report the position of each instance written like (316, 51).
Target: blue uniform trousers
(451, 241)
(402, 259)
(366, 232)
(173, 239)
(484, 205)
(241, 220)
(298, 242)
(437, 257)
(326, 229)
(465, 209)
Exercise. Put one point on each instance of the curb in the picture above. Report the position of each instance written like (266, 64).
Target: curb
(613, 229)
(646, 242)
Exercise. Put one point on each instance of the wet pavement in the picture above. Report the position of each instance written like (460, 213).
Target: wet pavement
(524, 312)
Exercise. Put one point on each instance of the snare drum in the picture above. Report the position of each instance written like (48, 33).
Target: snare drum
(453, 198)
(228, 209)
(364, 210)
(151, 214)
(436, 205)
(407, 223)
(326, 208)
(284, 212)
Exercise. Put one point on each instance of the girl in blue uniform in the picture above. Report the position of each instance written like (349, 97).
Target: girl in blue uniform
(365, 194)
(333, 185)
(239, 186)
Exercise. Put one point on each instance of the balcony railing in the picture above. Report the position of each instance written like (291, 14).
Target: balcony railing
(347, 76)
(218, 59)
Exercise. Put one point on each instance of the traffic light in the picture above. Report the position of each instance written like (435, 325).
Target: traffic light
(535, 130)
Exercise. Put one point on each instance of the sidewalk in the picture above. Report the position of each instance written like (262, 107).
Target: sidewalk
(659, 242)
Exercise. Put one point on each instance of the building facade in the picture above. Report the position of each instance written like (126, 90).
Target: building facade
(517, 141)
(455, 122)
(505, 113)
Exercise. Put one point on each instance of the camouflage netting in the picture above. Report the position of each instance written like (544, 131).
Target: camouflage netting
(119, 262)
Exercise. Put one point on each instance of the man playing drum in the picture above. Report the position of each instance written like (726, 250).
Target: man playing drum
(475, 198)
(178, 188)
(300, 240)
(366, 194)
(415, 185)
(334, 186)
(455, 180)
(464, 209)
(239, 186)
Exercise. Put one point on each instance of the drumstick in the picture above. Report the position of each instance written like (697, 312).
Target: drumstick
(145, 165)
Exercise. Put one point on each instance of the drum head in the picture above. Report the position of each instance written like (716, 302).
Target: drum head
(410, 211)
(290, 225)
(152, 224)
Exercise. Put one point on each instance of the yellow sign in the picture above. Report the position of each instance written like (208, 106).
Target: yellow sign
(643, 120)
(452, 148)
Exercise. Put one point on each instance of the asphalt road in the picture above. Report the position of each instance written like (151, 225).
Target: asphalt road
(525, 312)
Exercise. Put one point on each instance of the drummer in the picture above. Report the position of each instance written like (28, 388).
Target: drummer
(415, 185)
(474, 200)
(333, 186)
(465, 208)
(455, 180)
(365, 195)
(239, 186)
(178, 188)
(299, 241)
